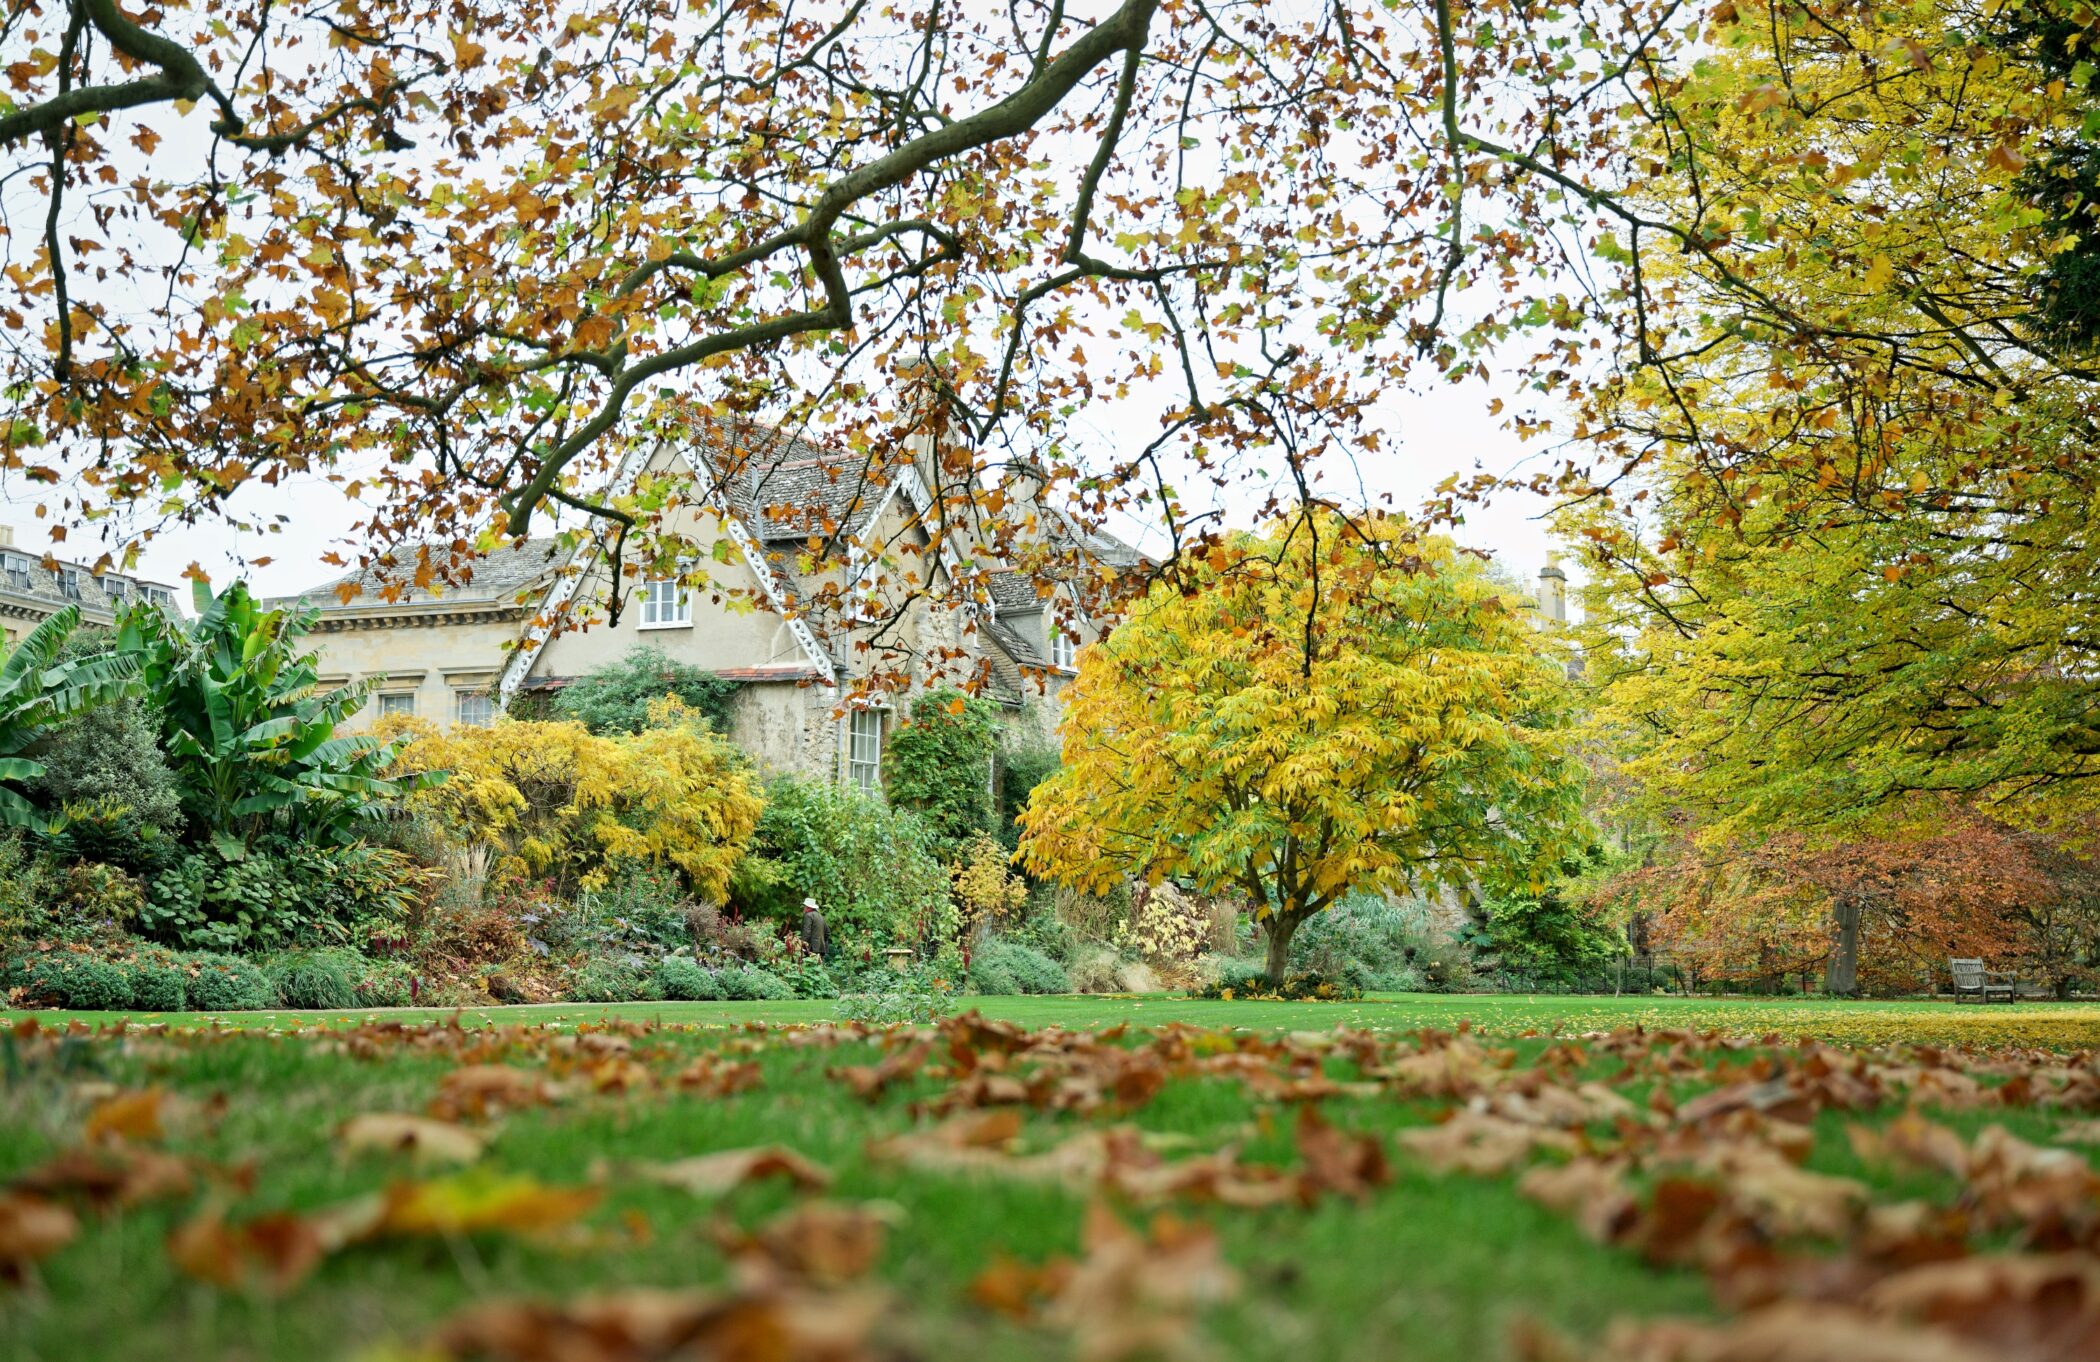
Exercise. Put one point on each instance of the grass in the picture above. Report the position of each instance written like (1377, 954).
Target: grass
(2044, 1024)
(1429, 1268)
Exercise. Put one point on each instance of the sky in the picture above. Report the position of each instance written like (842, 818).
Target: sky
(1437, 433)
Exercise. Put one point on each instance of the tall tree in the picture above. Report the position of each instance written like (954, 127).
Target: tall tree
(1325, 708)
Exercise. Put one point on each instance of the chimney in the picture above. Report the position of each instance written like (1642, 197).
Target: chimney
(7, 536)
(1553, 591)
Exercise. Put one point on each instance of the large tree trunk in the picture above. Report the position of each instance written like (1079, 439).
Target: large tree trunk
(1281, 929)
(1841, 978)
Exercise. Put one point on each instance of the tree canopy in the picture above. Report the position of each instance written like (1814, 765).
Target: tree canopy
(1311, 712)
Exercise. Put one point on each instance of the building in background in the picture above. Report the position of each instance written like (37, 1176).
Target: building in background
(34, 587)
(777, 619)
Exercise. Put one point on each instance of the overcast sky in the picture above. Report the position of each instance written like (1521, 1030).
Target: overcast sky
(1437, 434)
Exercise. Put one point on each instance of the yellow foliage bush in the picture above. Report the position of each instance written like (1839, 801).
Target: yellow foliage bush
(555, 799)
(990, 894)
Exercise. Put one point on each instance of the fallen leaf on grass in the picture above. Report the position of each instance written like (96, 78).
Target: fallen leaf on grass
(483, 1089)
(1591, 1192)
(423, 1139)
(273, 1253)
(716, 1174)
(645, 1325)
(1137, 1295)
(1482, 1144)
(1780, 1333)
(127, 1115)
(869, 1082)
(822, 1243)
(471, 1203)
(1338, 1161)
(120, 1176)
(31, 1229)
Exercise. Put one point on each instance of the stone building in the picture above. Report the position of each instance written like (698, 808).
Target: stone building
(774, 618)
(34, 588)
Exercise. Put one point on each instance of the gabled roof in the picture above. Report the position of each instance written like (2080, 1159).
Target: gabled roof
(785, 489)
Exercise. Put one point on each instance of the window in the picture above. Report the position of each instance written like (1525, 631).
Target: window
(665, 605)
(1064, 649)
(116, 588)
(864, 751)
(475, 708)
(69, 583)
(17, 572)
(402, 702)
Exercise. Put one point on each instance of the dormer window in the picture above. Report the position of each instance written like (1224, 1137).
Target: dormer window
(69, 583)
(17, 569)
(116, 588)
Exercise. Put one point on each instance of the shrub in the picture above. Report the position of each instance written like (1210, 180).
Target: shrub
(386, 983)
(1365, 939)
(683, 979)
(617, 697)
(991, 895)
(809, 977)
(26, 893)
(607, 981)
(158, 982)
(110, 758)
(1166, 923)
(1550, 938)
(749, 983)
(79, 981)
(1024, 763)
(940, 765)
(100, 901)
(568, 804)
(645, 902)
(1297, 987)
(871, 866)
(226, 983)
(1005, 967)
(324, 980)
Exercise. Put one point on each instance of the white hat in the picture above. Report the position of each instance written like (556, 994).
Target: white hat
(809, 903)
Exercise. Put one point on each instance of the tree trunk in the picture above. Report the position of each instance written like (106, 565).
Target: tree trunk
(1841, 978)
(1281, 929)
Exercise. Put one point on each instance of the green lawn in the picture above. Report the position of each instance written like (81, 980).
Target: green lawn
(2052, 1025)
(1425, 1266)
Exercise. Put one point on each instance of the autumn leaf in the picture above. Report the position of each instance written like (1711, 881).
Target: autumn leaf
(31, 1229)
(712, 1175)
(423, 1140)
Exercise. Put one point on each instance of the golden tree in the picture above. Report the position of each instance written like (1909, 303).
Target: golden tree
(1324, 708)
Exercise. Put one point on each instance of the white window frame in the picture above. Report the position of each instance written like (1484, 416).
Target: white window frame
(864, 773)
(1064, 649)
(391, 703)
(466, 695)
(666, 604)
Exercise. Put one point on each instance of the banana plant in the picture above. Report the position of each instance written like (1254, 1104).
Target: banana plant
(37, 692)
(248, 728)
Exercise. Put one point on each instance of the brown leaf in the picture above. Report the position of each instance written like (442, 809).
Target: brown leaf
(869, 1082)
(424, 1140)
(1338, 1161)
(482, 1089)
(716, 1174)
(642, 1325)
(469, 1204)
(1134, 1295)
(120, 1176)
(1481, 1144)
(822, 1243)
(128, 1115)
(1591, 1192)
(31, 1230)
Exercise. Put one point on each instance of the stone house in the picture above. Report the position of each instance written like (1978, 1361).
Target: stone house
(33, 588)
(800, 630)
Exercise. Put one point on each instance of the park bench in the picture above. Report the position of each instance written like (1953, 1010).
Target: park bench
(1975, 984)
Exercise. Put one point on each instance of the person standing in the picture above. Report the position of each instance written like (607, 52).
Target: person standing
(816, 934)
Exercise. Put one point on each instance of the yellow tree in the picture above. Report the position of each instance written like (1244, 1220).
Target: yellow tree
(1324, 708)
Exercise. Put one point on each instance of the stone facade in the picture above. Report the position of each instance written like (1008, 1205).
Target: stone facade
(34, 588)
(459, 654)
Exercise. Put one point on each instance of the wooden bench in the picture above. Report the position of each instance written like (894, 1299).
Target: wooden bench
(1975, 984)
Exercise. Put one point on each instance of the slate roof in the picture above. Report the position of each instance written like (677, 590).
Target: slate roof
(499, 576)
(785, 489)
(31, 589)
